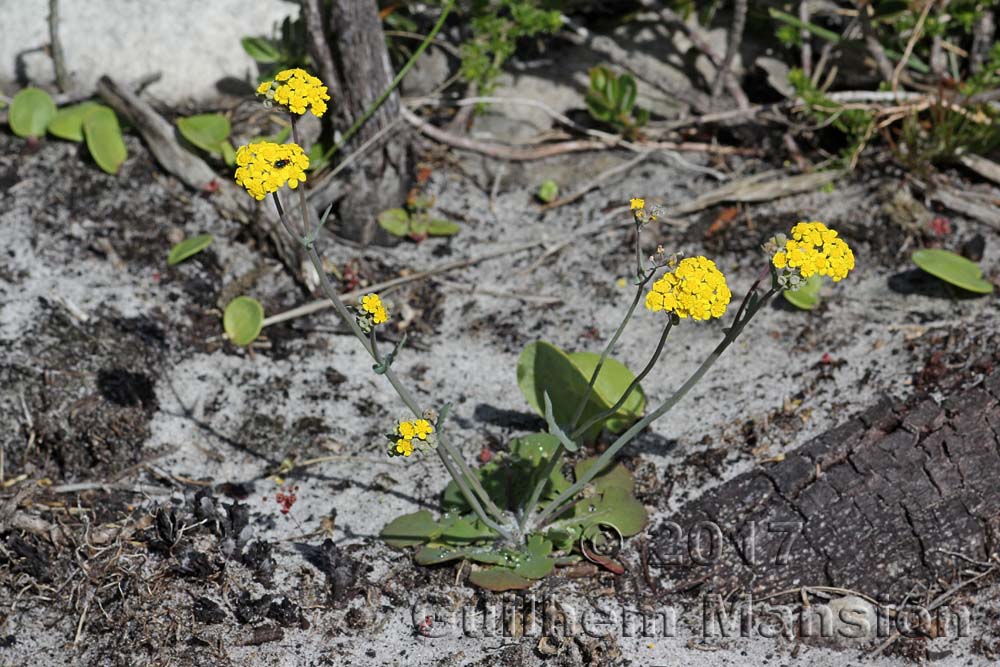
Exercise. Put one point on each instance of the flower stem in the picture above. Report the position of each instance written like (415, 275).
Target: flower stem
(453, 462)
(597, 419)
(666, 406)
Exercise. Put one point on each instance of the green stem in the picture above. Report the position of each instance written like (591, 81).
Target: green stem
(607, 351)
(635, 383)
(395, 82)
(665, 407)
(536, 493)
(448, 456)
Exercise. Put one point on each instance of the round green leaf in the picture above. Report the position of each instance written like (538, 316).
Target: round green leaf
(68, 121)
(243, 320)
(30, 112)
(188, 248)
(228, 153)
(614, 379)
(206, 131)
(396, 221)
(952, 268)
(807, 296)
(409, 529)
(104, 138)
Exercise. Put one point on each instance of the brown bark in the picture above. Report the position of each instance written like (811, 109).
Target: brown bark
(362, 61)
(879, 505)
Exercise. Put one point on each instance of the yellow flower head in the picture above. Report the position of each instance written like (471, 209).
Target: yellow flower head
(695, 289)
(297, 90)
(636, 204)
(404, 447)
(263, 167)
(422, 428)
(814, 249)
(372, 304)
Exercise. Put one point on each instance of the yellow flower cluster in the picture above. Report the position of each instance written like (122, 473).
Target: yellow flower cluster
(815, 249)
(695, 289)
(297, 90)
(372, 304)
(263, 167)
(636, 204)
(407, 432)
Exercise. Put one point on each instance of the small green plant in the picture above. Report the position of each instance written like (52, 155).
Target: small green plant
(497, 25)
(545, 502)
(414, 221)
(243, 320)
(953, 269)
(547, 191)
(611, 100)
(33, 113)
(188, 248)
(210, 133)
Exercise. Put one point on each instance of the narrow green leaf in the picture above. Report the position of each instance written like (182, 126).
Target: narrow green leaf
(953, 269)
(188, 248)
(104, 139)
(243, 320)
(554, 427)
(499, 579)
(228, 153)
(261, 49)
(206, 131)
(68, 121)
(439, 227)
(30, 112)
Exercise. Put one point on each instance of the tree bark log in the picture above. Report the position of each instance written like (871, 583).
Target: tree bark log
(878, 505)
(362, 61)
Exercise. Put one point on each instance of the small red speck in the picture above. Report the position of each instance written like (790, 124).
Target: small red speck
(424, 626)
(485, 455)
(156, 276)
(827, 359)
(212, 185)
(941, 226)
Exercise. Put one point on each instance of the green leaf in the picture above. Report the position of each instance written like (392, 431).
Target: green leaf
(536, 563)
(433, 554)
(614, 379)
(30, 112)
(548, 191)
(228, 153)
(464, 529)
(627, 92)
(261, 49)
(396, 221)
(614, 476)
(68, 121)
(622, 510)
(554, 428)
(409, 529)
(952, 268)
(493, 480)
(243, 320)
(419, 224)
(104, 138)
(534, 448)
(543, 367)
(188, 248)
(442, 228)
(206, 131)
(499, 579)
(807, 296)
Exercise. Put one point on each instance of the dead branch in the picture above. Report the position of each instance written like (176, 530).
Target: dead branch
(732, 47)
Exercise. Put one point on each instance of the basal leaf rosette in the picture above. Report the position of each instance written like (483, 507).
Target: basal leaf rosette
(695, 288)
(264, 167)
(297, 91)
(813, 250)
